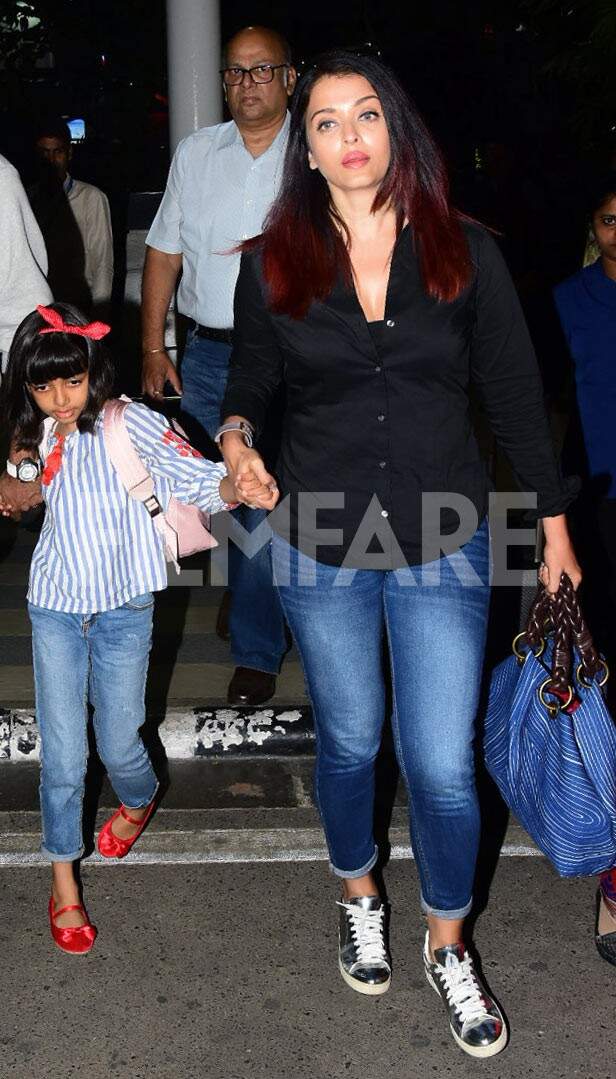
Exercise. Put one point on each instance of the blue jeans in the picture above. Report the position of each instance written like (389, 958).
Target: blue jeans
(104, 657)
(256, 622)
(434, 617)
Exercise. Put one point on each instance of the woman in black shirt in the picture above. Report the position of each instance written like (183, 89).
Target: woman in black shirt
(377, 305)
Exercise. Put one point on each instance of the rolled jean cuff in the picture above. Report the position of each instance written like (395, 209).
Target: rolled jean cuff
(448, 915)
(143, 804)
(352, 874)
(53, 857)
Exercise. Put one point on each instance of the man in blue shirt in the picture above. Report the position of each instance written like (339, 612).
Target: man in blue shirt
(221, 184)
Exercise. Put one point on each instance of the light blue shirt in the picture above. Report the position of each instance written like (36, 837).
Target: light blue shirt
(217, 195)
(98, 547)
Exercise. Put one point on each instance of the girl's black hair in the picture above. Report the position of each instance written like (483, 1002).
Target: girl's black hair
(35, 358)
(602, 189)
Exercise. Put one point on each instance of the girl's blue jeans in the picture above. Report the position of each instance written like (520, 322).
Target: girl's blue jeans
(434, 617)
(104, 658)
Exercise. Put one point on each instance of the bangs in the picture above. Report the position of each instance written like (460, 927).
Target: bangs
(47, 361)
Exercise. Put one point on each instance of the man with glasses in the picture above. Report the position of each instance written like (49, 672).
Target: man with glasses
(222, 181)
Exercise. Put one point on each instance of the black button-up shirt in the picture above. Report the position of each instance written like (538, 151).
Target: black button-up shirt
(378, 414)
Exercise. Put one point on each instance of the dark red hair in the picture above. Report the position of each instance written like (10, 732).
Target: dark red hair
(303, 251)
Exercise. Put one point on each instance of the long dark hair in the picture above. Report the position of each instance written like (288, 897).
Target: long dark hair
(36, 358)
(303, 251)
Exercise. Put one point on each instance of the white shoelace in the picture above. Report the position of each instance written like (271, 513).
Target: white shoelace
(367, 933)
(462, 989)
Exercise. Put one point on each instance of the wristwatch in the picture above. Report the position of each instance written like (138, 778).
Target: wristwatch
(246, 430)
(25, 470)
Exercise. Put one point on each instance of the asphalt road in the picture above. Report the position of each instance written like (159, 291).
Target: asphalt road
(229, 971)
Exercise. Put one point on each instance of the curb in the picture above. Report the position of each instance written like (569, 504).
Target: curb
(187, 734)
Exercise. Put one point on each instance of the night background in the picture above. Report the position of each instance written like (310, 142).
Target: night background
(521, 96)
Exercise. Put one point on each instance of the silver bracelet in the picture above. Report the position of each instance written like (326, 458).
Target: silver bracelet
(246, 430)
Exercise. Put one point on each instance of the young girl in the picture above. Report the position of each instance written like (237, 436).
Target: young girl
(93, 572)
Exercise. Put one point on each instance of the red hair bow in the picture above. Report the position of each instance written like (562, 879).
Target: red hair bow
(56, 324)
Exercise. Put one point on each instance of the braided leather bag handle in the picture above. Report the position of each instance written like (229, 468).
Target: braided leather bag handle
(562, 654)
(564, 612)
(540, 612)
(591, 660)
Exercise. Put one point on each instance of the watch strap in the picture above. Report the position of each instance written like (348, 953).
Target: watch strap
(245, 429)
(11, 469)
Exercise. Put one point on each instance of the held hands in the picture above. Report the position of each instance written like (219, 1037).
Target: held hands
(250, 491)
(252, 483)
(16, 497)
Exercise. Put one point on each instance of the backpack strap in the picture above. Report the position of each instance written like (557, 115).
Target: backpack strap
(132, 471)
(124, 457)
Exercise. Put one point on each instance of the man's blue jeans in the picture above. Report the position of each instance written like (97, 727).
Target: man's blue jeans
(104, 657)
(256, 621)
(434, 617)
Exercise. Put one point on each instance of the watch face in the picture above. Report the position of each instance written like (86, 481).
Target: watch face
(27, 470)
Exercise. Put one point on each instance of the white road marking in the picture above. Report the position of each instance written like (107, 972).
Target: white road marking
(30, 860)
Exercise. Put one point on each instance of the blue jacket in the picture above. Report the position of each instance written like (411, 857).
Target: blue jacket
(586, 304)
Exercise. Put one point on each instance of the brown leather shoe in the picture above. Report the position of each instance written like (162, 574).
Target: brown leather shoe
(222, 621)
(249, 686)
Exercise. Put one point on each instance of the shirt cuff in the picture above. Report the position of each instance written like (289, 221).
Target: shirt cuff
(556, 502)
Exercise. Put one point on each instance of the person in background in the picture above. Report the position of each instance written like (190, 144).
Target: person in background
(586, 305)
(76, 221)
(23, 284)
(23, 258)
(221, 184)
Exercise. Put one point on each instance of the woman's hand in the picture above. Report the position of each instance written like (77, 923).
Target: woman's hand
(558, 555)
(253, 484)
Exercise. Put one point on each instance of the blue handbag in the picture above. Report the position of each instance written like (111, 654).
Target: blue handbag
(550, 742)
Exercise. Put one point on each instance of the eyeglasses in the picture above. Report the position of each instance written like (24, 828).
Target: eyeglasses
(233, 76)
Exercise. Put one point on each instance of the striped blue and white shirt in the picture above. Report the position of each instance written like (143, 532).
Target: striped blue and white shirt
(98, 548)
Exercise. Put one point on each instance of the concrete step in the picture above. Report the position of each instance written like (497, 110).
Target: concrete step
(225, 835)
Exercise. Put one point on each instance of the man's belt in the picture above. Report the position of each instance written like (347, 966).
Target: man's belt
(213, 334)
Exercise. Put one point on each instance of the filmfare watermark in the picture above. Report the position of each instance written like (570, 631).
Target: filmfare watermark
(448, 522)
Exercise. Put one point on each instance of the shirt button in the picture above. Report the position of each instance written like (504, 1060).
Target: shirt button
(390, 323)
(380, 417)
(382, 464)
(384, 513)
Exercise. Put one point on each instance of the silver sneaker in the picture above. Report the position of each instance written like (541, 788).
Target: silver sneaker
(362, 955)
(476, 1021)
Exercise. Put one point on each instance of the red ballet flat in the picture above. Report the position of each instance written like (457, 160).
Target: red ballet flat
(76, 939)
(112, 846)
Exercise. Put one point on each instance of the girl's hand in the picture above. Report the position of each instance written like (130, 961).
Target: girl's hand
(558, 555)
(248, 489)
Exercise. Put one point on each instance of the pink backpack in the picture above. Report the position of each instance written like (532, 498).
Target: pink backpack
(183, 527)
